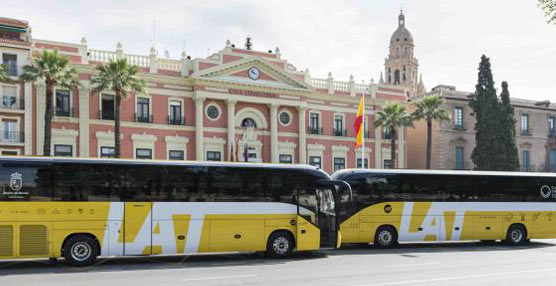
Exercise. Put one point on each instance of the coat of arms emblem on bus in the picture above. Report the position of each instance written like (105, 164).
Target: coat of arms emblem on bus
(16, 181)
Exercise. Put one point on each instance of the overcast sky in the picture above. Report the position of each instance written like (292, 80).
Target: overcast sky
(344, 37)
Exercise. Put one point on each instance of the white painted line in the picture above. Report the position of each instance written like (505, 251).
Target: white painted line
(218, 277)
(413, 265)
(441, 279)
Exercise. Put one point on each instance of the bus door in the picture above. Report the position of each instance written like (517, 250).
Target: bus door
(137, 228)
(318, 208)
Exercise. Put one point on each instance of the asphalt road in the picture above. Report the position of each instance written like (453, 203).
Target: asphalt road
(468, 263)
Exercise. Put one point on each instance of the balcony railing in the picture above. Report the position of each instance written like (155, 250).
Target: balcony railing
(11, 136)
(315, 130)
(526, 132)
(340, 132)
(9, 104)
(144, 118)
(459, 127)
(176, 121)
(106, 115)
(65, 112)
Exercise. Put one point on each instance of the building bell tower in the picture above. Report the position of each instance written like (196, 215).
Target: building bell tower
(401, 67)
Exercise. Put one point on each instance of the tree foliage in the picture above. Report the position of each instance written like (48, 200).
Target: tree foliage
(495, 124)
(549, 8)
(121, 77)
(3, 74)
(393, 117)
(510, 158)
(430, 109)
(54, 70)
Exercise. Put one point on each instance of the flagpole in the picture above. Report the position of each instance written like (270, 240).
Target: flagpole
(363, 135)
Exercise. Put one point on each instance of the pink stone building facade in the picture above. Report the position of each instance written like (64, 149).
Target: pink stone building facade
(234, 103)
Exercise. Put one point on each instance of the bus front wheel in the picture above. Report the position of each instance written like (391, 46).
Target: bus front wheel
(80, 250)
(517, 235)
(386, 237)
(280, 244)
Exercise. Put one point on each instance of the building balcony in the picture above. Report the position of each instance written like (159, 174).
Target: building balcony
(526, 132)
(315, 130)
(340, 132)
(106, 115)
(459, 127)
(11, 137)
(176, 121)
(144, 118)
(65, 112)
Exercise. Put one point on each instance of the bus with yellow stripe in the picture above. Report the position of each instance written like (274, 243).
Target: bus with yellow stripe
(391, 206)
(79, 209)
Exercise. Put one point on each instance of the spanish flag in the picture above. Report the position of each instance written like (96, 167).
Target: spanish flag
(358, 126)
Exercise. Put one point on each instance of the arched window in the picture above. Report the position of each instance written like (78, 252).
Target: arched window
(248, 122)
(397, 77)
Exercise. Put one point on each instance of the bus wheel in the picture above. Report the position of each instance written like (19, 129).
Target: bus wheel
(279, 245)
(80, 250)
(517, 235)
(385, 237)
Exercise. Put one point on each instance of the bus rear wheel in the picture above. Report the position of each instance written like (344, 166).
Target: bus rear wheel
(280, 244)
(386, 237)
(517, 235)
(80, 250)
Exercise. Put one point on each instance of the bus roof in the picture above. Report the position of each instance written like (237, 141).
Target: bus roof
(338, 175)
(162, 163)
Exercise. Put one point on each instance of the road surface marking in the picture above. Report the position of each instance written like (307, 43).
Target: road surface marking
(441, 279)
(218, 277)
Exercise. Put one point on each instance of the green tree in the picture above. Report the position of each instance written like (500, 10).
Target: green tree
(122, 78)
(430, 109)
(393, 116)
(510, 155)
(485, 107)
(549, 8)
(3, 74)
(54, 70)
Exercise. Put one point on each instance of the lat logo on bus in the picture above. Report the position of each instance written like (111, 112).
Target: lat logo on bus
(548, 192)
(16, 181)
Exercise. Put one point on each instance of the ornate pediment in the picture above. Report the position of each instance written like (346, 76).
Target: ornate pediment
(253, 71)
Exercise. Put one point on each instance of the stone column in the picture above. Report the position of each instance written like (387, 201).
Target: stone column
(231, 126)
(378, 147)
(28, 108)
(274, 132)
(84, 98)
(401, 146)
(302, 135)
(41, 103)
(199, 132)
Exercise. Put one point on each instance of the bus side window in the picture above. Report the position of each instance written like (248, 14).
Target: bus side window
(84, 182)
(25, 182)
(177, 184)
(488, 189)
(137, 183)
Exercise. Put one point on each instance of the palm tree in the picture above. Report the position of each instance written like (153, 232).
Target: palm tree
(120, 77)
(393, 116)
(430, 109)
(54, 70)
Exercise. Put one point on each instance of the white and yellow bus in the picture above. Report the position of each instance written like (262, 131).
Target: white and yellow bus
(390, 206)
(83, 208)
